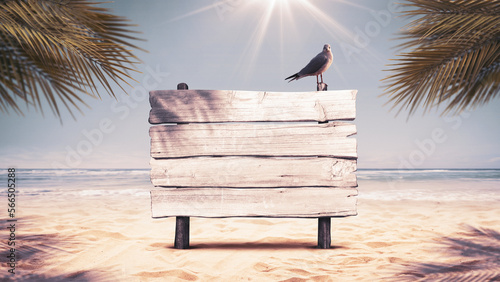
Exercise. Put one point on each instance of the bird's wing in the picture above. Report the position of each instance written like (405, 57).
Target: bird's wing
(314, 65)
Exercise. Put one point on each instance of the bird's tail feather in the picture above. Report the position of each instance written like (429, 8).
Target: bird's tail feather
(293, 77)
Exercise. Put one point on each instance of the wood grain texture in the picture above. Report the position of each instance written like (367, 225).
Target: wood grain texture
(181, 106)
(279, 202)
(254, 139)
(253, 172)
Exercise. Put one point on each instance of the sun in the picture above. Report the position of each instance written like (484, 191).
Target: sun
(277, 21)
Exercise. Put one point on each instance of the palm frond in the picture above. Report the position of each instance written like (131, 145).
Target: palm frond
(451, 56)
(55, 51)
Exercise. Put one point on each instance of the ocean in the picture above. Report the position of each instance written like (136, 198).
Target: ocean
(430, 184)
(380, 184)
(81, 182)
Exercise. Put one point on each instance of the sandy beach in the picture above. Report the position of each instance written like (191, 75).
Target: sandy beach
(385, 110)
(114, 238)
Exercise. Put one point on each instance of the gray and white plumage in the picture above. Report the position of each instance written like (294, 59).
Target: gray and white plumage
(317, 66)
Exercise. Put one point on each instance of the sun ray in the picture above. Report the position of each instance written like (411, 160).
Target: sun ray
(326, 21)
(255, 42)
(195, 12)
(329, 24)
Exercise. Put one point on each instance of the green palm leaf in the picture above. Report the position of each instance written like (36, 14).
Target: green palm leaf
(54, 51)
(451, 56)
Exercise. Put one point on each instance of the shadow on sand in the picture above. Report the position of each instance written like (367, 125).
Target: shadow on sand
(476, 254)
(35, 252)
(258, 246)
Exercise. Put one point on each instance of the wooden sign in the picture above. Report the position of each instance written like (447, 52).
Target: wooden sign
(219, 153)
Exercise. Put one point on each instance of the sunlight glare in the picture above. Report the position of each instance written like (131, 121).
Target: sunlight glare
(275, 22)
(283, 11)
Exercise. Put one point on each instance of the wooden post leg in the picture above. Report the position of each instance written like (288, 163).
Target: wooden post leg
(181, 222)
(324, 236)
(181, 232)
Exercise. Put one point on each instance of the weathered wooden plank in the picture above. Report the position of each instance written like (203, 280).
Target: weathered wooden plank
(228, 202)
(173, 106)
(254, 139)
(253, 172)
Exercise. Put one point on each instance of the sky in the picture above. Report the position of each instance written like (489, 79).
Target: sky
(253, 45)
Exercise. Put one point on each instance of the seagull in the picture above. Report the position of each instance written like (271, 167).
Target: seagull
(317, 66)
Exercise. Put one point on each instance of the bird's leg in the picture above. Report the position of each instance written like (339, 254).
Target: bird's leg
(317, 82)
(321, 78)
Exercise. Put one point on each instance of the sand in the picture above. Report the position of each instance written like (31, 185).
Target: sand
(114, 238)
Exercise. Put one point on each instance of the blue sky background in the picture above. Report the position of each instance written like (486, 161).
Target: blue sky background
(254, 45)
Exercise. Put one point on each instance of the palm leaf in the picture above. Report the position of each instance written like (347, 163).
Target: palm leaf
(54, 51)
(451, 56)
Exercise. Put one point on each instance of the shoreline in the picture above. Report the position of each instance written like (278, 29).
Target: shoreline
(113, 237)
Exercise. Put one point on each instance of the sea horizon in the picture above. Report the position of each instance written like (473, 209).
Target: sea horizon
(388, 184)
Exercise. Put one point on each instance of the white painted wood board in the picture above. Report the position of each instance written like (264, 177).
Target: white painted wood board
(253, 172)
(254, 139)
(229, 202)
(181, 106)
